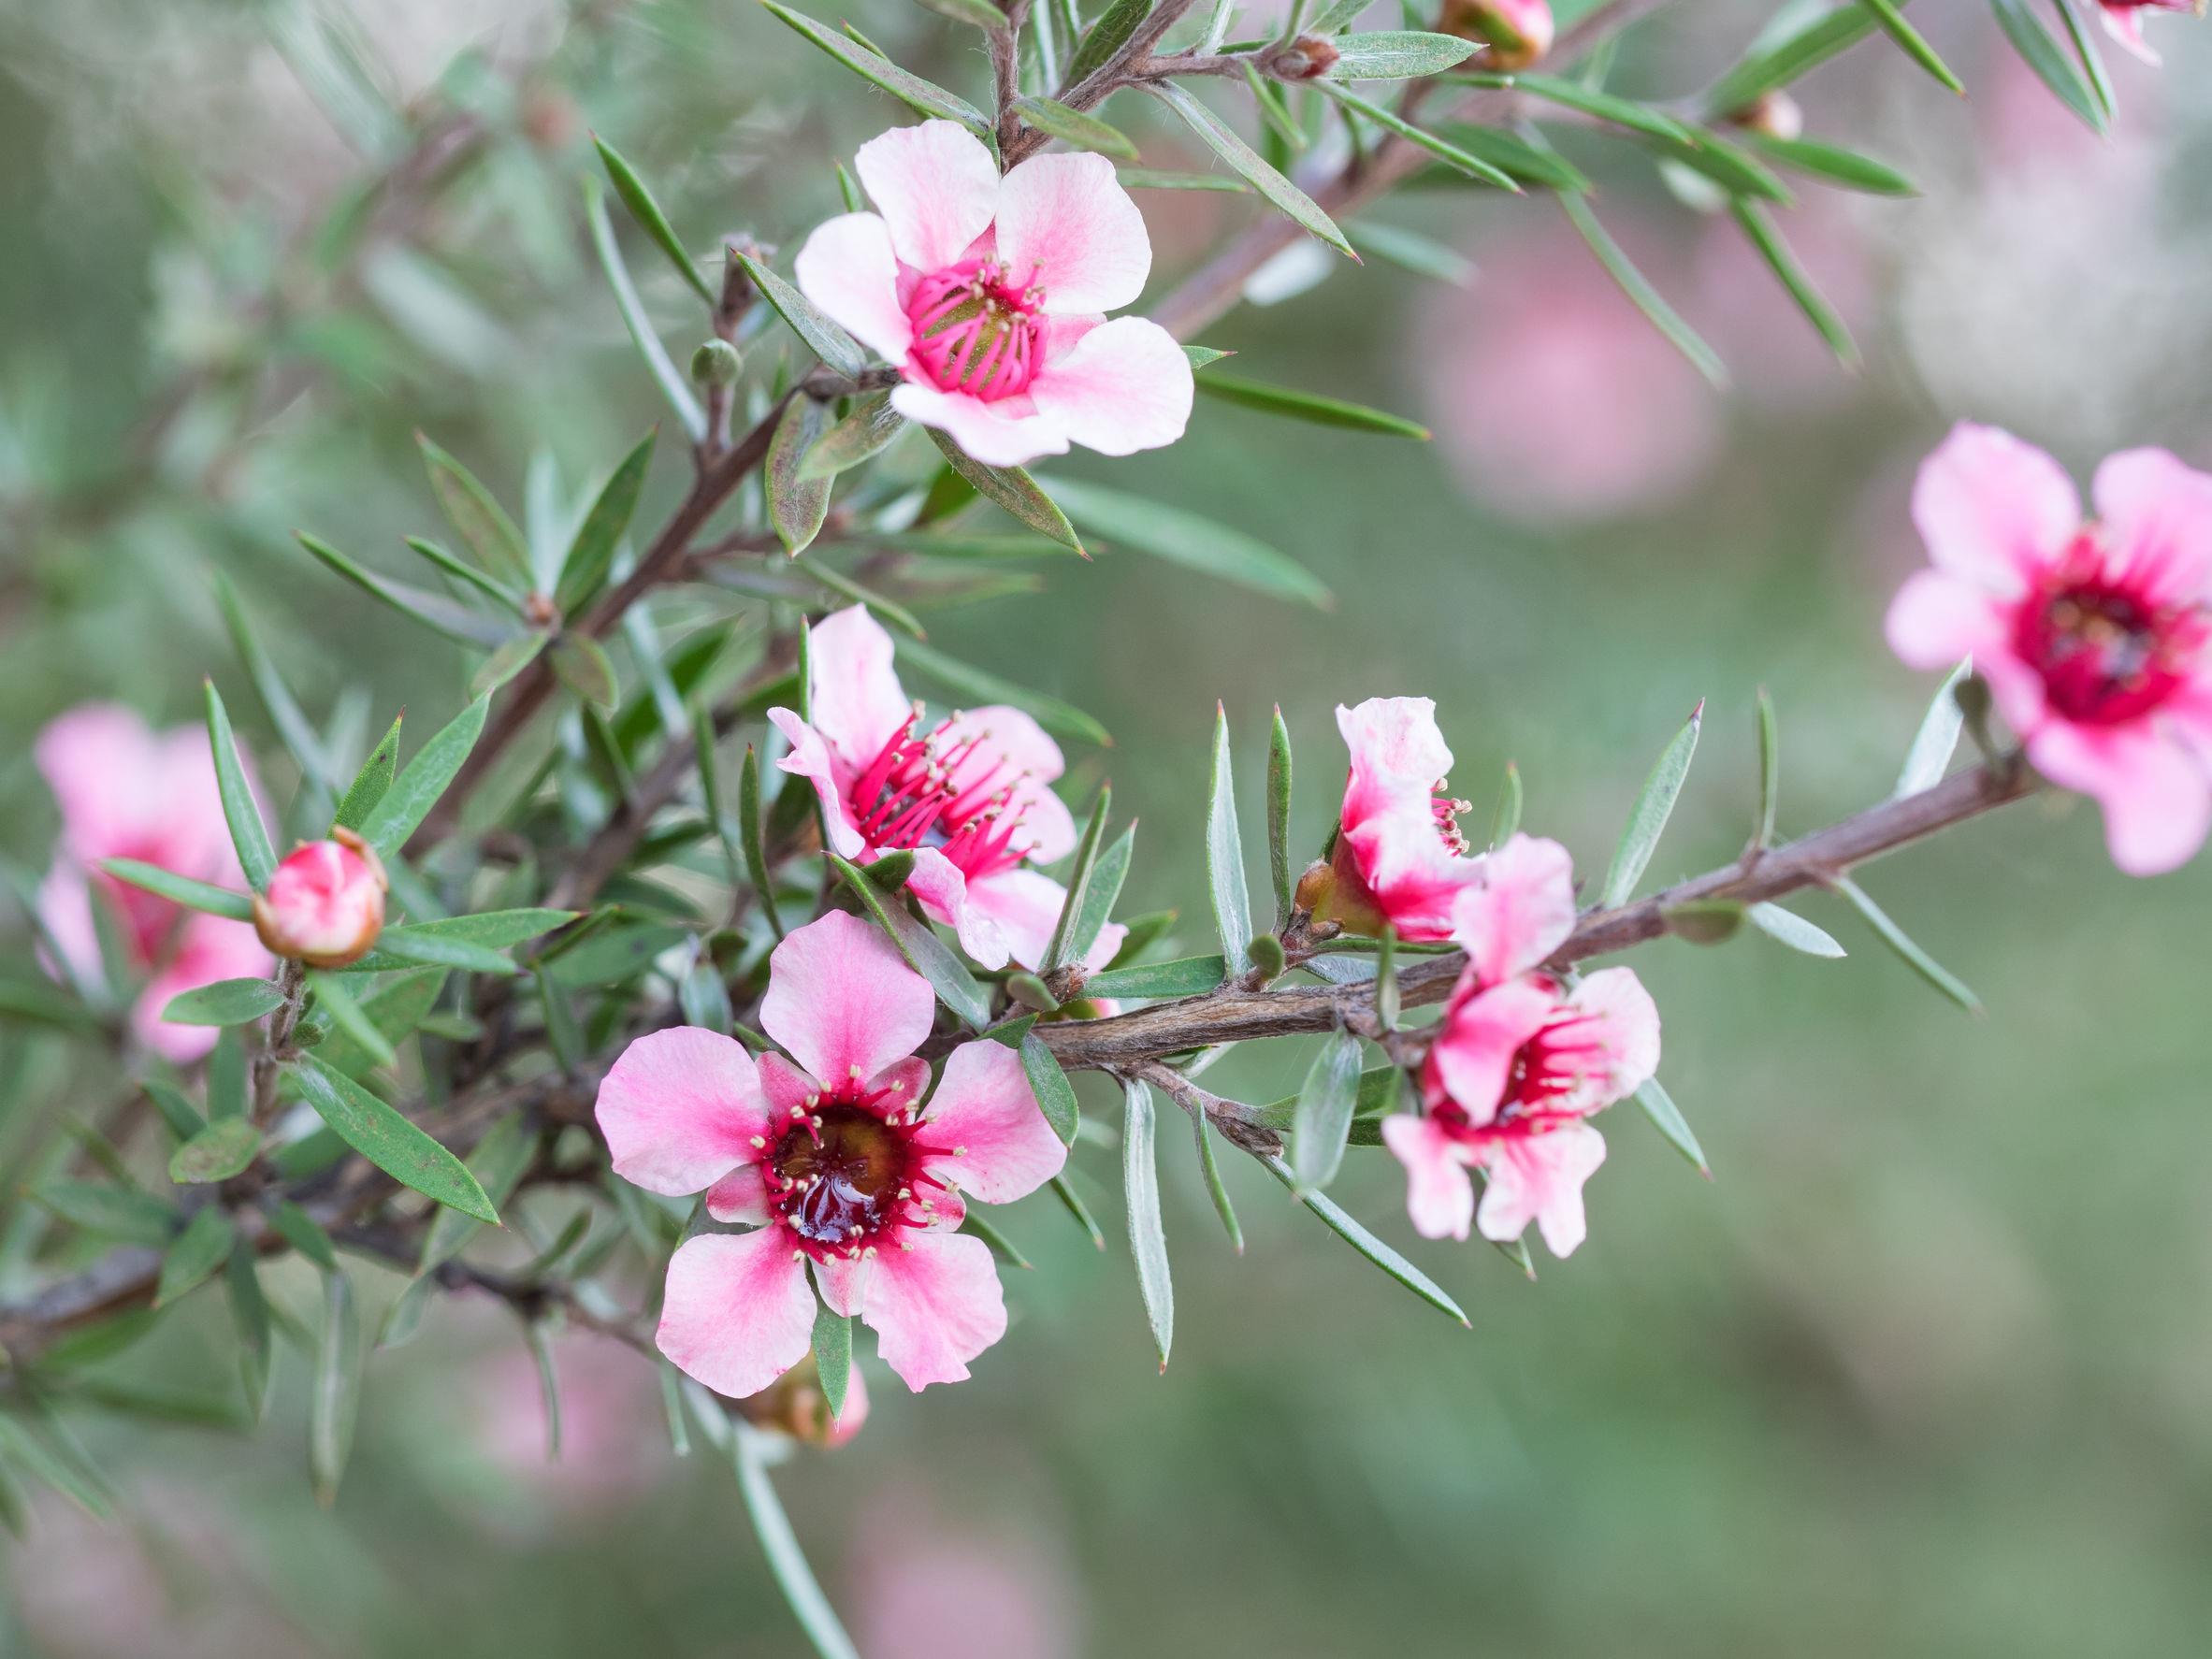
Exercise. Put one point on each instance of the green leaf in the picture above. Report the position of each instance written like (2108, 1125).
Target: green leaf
(399, 948)
(1834, 165)
(417, 787)
(284, 712)
(1185, 538)
(197, 1256)
(1424, 257)
(996, 1242)
(925, 952)
(455, 621)
(335, 1399)
(248, 834)
(823, 338)
(1158, 178)
(1647, 819)
(755, 852)
(868, 429)
(181, 890)
(112, 1212)
(388, 1140)
(1936, 740)
(1013, 489)
(1224, 856)
(1769, 753)
(2092, 61)
(646, 211)
(223, 1149)
(674, 385)
(371, 782)
(1063, 948)
(1775, 63)
(250, 1317)
(979, 14)
(1648, 299)
(787, 1562)
(1055, 1095)
(227, 1001)
(476, 517)
(1900, 941)
(1210, 1172)
(1279, 817)
(1107, 37)
(1075, 1207)
(1909, 38)
(1323, 1115)
(1147, 1236)
(452, 565)
(1792, 929)
(1063, 720)
(910, 90)
(1100, 893)
(832, 1357)
(1085, 132)
(304, 1233)
(509, 660)
(1185, 977)
(1246, 162)
(1396, 54)
(1458, 157)
(1767, 237)
(1308, 406)
(498, 1164)
(1366, 1244)
(592, 553)
(581, 663)
(348, 1018)
(1589, 100)
(2052, 67)
(1507, 819)
(1658, 1105)
(395, 1009)
(796, 505)
(181, 1117)
(56, 1459)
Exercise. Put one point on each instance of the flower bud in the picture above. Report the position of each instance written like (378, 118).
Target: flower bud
(325, 903)
(716, 363)
(1518, 31)
(1773, 115)
(1304, 59)
(794, 1403)
(1312, 891)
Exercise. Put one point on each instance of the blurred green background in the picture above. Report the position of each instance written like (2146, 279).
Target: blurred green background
(1922, 1370)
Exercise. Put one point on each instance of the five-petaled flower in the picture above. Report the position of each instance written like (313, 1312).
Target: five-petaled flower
(2123, 22)
(325, 902)
(2095, 639)
(837, 1159)
(1519, 1064)
(989, 295)
(127, 792)
(1399, 857)
(971, 796)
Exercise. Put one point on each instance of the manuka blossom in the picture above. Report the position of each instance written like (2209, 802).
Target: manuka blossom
(836, 1159)
(1520, 1063)
(127, 792)
(971, 796)
(2094, 637)
(2123, 22)
(1399, 857)
(989, 296)
(325, 903)
(1518, 31)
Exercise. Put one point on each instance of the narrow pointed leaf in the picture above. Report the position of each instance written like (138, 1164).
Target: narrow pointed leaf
(823, 338)
(1062, 948)
(455, 621)
(1279, 817)
(1936, 740)
(1013, 489)
(1085, 132)
(868, 429)
(787, 1562)
(304, 1233)
(755, 852)
(1209, 1171)
(1310, 407)
(592, 553)
(1647, 819)
(1324, 1115)
(1898, 941)
(1147, 1236)
(349, 1017)
(1658, 1105)
(476, 516)
(1769, 756)
(249, 1318)
(582, 664)
(248, 834)
(1506, 820)
(1055, 1094)
(674, 385)
(1792, 929)
(1457, 156)
(425, 778)
(197, 1256)
(911, 90)
(1108, 36)
(181, 890)
(1246, 162)
(227, 1001)
(925, 952)
(388, 1140)
(796, 505)
(832, 1357)
(2094, 75)
(1913, 44)
(1605, 105)
(1648, 299)
(1073, 1203)
(1224, 856)
(1188, 540)
(1834, 165)
(1100, 893)
(646, 211)
(371, 781)
(1775, 63)
(1185, 977)
(1334, 1216)
(1395, 54)
(460, 569)
(334, 1402)
(1767, 237)
(221, 1150)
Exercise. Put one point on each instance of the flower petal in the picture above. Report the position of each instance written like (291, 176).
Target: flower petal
(942, 887)
(2156, 515)
(843, 1000)
(854, 696)
(1125, 386)
(1624, 1019)
(1064, 223)
(1937, 619)
(847, 269)
(1440, 1193)
(1473, 1054)
(1000, 1147)
(1990, 507)
(1520, 910)
(810, 758)
(935, 186)
(1398, 754)
(1540, 1178)
(204, 948)
(1025, 906)
(2156, 794)
(1006, 433)
(680, 1108)
(933, 1302)
(738, 1313)
(2124, 23)
(742, 1195)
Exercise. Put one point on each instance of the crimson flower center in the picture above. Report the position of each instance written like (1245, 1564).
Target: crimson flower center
(977, 330)
(942, 788)
(837, 1179)
(2107, 650)
(1546, 1069)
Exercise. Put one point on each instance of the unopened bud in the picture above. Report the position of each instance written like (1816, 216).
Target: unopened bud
(1771, 114)
(1312, 891)
(795, 1403)
(1518, 31)
(324, 905)
(716, 363)
(1305, 59)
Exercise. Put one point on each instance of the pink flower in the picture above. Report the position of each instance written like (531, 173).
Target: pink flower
(989, 295)
(1399, 857)
(2094, 637)
(970, 797)
(126, 792)
(1519, 31)
(836, 1161)
(325, 904)
(2123, 22)
(1520, 1063)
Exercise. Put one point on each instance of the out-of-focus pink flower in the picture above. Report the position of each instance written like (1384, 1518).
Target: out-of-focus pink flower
(970, 797)
(926, 1586)
(613, 1438)
(1399, 857)
(796, 1406)
(325, 904)
(835, 1161)
(1553, 395)
(989, 293)
(127, 792)
(2095, 639)
(1519, 31)
(2123, 22)
(1520, 1063)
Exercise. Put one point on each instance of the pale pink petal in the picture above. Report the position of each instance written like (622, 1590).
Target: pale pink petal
(680, 1108)
(1991, 508)
(1001, 1146)
(847, 269)
(1520, 910)
(1621, 1015)
(935, 1304)
(742, 1195)
(785, 1090)
(105, 768)
(810, 758)
(1065, 224)
(1937, 620)
(942, 887)
(1006, 433)
(738, 1313)
(2157, 516)
(1022, 906)
(1541, 1179)
(1399, 756)
(839, 1281)
(1474, 1051)
(1411, 877)
(1063, 331)
(1125, 386)
(2124, 23)
(65, 912)
(1440, 1193)
(855, 699)
(2156, 794)
(843, 1000)
(204, 949)
(902, 1084)
(935, 186)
